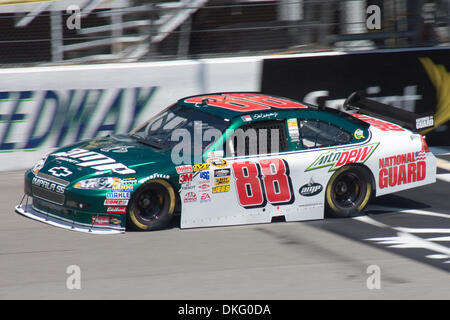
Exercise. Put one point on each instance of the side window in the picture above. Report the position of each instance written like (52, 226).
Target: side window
(259, 138)
(317, 134)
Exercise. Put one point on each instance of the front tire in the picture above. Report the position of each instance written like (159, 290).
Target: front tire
(348, 192)
(152, 206)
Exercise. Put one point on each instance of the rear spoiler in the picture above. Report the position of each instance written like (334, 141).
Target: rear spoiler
(389, 113)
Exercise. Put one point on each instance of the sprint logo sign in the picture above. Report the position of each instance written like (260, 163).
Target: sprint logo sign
(338, 158)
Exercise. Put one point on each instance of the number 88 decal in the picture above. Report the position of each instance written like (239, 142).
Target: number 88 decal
(266, 181)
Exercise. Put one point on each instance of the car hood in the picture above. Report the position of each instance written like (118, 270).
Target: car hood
(114, 155)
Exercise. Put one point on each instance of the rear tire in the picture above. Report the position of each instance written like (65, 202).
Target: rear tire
(348, 192)
(152, 206)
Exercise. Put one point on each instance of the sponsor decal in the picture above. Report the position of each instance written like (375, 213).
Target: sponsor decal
(293, 129)
(222, 172)
(95, 160)
(115, 222)
(100, 221)
(109, 202)
(119, 149)
(205, 197)
(340, 157)
(246, 118)
(221, 181)
(215, 154)
(190, 197)
(185, 178)
(156, 176)
(200, 166)
(123, 187)
(184, 169)
(221, 189)
(128, 181)
(51, 186)
(204, 186)
(402, 169)
(424, 122)
(310, 189)
(116, 209)
(217, 162)
(380, 124)
(118, 195)
(264, 115)
(358, 134)
(60, 171)
(204, 176)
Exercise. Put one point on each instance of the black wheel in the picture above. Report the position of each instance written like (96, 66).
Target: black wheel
(152, 206)
(348, 192)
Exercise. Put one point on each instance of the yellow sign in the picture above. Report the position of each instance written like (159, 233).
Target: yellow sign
(221, 189)
(441, 81)
(217, 162)
(200, 166)
(221, 181)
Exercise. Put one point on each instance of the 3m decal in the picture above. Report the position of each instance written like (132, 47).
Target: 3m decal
(340, 157)
(267, 180)
(95, 160)
(402, 169)
(185, 177)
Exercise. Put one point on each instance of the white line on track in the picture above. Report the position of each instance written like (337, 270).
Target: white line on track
(405, 237)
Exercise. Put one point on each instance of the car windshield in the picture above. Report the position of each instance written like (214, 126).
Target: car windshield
(178, 123)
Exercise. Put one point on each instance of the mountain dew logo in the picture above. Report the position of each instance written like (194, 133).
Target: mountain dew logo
(338, 158)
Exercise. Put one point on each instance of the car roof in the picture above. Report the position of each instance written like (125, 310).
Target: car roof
(228, 105)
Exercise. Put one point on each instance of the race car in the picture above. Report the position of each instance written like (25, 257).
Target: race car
(229, 159)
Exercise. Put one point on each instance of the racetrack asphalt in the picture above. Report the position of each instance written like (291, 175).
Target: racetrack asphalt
(326, 259)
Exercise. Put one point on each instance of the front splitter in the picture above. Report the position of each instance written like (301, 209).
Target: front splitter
(28, 211)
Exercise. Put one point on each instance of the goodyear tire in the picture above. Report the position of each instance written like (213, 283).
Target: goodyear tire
(348, 192)
(152, 206)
